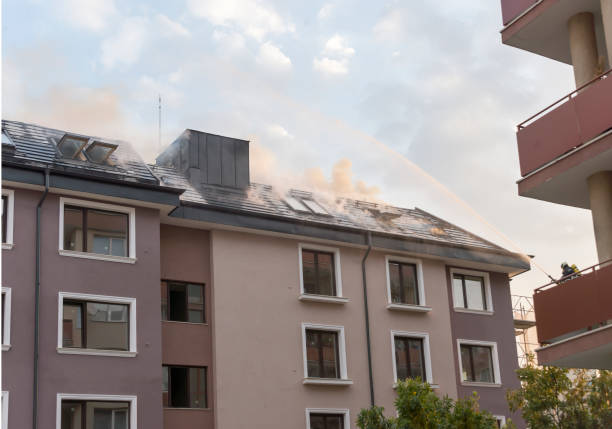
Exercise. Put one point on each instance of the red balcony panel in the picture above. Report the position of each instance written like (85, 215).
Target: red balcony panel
(188, 418)
(513, 8)
(572, 121)
(574, 304)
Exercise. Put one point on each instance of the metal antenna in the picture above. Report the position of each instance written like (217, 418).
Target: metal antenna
(159, 124)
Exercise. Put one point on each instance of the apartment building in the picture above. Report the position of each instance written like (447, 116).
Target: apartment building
(182, 295)
(565, 156)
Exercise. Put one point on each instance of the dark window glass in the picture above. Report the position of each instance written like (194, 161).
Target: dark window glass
(469, 292)
(326, 421)
(105, 325)
(318, 272)
(184, 387)
(2, 317)
(95, 415)
(182, 302)
(4, 217)
(477, 363)
(409, 358)
(404, 286)
(96, 231)
(322, 354)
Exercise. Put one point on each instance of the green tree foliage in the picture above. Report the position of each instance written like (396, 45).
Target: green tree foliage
(418, 407)
(559, 398)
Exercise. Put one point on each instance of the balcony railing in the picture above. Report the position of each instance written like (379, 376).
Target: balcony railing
(569, 122)
(574, 304)
(511, 9)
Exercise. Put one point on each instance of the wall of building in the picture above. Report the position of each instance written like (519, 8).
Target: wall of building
(497, 327)
(79, 374)
(258, 339)
(185, 257)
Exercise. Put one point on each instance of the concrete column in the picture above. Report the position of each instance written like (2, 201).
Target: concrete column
(606, 15)
(600, 194)
(583, 47)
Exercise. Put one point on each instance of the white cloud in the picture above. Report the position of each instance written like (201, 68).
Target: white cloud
(125, 46)
(89, 14)
(170, 27)
(254, 18)
(391, 26)
(335, 57)
(148, 88)
(272, 57)
(278, 131)
(230, 41)
(325, 12)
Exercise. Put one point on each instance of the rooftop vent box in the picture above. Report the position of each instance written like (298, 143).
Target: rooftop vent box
(209, 159)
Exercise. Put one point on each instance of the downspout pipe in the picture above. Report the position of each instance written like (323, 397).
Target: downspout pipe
(367, 316)
(37, 303)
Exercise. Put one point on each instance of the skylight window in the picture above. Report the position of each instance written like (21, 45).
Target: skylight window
(296, 204)
(99, 152)
(6, 139)
(315, 207)
(71, 146)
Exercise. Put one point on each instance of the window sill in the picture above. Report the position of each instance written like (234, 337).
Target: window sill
(85, 255)
(6, 347)
(188, 408)
(185, 323)
(328, 381)
(433, 386)
(467, 310)
(408, 307)
(7, 246)
(323, 298)
(477, 384)
(94, 352)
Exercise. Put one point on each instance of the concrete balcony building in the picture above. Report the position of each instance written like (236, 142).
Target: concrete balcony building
(565, 154)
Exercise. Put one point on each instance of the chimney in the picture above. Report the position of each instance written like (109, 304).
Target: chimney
(209, 159)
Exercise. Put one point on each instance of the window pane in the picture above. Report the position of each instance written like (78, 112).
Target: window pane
(312, 354)
(417, 367)
(317, 421)
(107, 326)
(72, 326)
(178, 302)
(2, 317)
(394, 279)
(458, 291)
(107, 232)
(326, 421)
(335, 422)
(107, 415)
(409, 284)
(309, 272)
(197, 387)
(179, 396)
(73, 228)
(325, 278)
(474, 291)
(120, 419)
(72, 415)
(466, 364)
(409, 358)
(195, 297)
(483, 365)
(322, 354)
(4, 216)
(328, 349)
(165, 386)
(164, 300)
(401, 359)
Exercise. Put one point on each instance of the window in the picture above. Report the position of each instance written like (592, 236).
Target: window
(403, 283)
(96, 412)
(296, 205)
(324, 354)
(320, 278)
(99, 152)
(6, 318)
(92, 324)
(184, 387)
(97, 230)
(478, 361)
(305, 205)
(327, 419)
(411, 356)
(182, 302)
(5, 406)
(315, 207)
(71, 146)
(471, 291)
(500, 420)
(8, 197)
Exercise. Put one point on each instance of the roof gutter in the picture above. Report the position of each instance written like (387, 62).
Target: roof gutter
(367, 315)
(37, 302)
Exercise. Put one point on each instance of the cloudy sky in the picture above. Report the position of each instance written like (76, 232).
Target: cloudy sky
(413, 103)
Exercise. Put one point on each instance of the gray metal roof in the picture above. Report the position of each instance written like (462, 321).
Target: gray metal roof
(263, 200)
(34, 146)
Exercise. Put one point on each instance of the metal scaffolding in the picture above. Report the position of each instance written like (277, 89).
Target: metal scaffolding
(524, 328)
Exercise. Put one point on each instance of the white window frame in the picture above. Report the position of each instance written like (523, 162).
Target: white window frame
(132, 352)
(6, 322)
(5, 409)
(422, 306)
(344, 411)
(10, 216)
(338, 298)
(487, 285)
(494, 357)
(501, 419)
(343, 380)
(426, 352)
(133, 400)
(130, 211)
